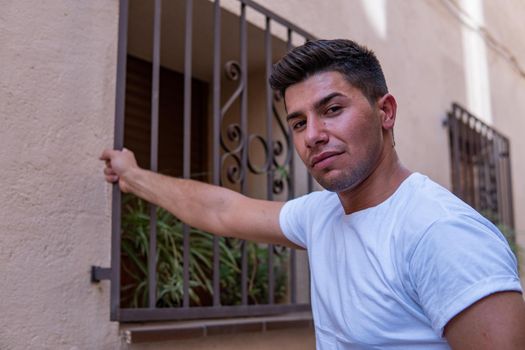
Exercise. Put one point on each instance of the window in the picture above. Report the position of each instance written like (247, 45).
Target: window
(193, 101)
(481, 176)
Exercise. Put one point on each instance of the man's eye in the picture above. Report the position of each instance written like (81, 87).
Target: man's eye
(333, 109)
(298, 125)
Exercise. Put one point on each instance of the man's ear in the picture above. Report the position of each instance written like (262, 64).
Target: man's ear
(388, 107)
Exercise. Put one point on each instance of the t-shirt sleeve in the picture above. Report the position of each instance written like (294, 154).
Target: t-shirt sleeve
(292, 220)
(457, 262)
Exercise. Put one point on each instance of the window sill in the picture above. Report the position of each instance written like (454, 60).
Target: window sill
(204, 328)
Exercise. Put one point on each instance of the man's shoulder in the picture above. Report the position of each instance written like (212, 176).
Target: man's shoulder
(426, 204)
(427, 200)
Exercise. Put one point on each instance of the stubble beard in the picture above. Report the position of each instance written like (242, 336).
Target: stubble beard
(350, 177)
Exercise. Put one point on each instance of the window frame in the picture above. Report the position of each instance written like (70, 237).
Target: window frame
(113, 273)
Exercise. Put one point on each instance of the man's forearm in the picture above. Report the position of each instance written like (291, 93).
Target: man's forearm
(210, 208)
(196, 203)
(207, 207)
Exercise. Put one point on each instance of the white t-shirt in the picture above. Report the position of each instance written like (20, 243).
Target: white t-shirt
(392, 276)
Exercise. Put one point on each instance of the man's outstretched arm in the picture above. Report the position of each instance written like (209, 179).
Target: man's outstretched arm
(210, 208)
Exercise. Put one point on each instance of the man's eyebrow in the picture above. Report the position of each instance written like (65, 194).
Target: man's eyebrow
(292, 116)
(317, 105)
(326, 99)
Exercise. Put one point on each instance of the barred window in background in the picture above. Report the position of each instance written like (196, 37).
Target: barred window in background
(481, 168)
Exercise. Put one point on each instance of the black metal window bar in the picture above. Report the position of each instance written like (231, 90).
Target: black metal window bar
(220, 151)
(481, 167)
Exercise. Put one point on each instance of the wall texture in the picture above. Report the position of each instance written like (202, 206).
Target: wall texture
(56, 115)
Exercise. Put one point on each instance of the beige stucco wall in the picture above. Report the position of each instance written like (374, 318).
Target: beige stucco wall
(508, 94)
(56, 114)
(57, 78)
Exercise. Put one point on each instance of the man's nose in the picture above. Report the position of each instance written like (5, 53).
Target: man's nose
(316, 132)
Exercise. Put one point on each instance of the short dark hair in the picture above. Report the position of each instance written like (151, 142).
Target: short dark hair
(356, 63)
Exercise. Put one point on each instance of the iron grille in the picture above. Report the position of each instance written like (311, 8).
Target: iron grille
(230, 161)
(481, 168)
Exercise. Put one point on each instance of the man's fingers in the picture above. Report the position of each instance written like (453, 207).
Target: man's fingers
(107, 154)
(109, 171)
(110, 175)
(111, 178)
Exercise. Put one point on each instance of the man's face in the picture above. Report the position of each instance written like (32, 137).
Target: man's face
(336, 132)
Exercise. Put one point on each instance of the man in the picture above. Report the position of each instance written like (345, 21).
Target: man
(397, 262)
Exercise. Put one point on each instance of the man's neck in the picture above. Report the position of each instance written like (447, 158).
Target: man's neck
(377, 187)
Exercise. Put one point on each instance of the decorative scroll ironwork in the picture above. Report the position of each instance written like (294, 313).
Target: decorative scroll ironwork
(234, 133)
(254, 168)
(272, 149)
(282, 175)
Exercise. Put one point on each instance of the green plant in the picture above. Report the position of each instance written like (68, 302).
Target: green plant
(135, 248)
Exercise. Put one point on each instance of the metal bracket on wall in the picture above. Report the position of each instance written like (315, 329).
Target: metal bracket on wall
(100, 273)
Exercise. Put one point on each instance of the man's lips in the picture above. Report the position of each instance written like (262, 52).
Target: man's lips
(320, 158)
